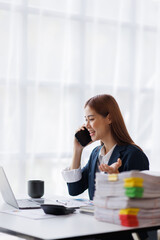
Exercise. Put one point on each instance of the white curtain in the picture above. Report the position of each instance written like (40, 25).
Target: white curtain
(54, 55)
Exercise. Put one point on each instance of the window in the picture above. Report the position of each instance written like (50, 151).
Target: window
(54, 55)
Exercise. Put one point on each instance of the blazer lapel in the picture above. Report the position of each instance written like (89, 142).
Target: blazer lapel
(94, 163)
(116, 154)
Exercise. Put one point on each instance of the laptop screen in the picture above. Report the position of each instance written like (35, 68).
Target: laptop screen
(6, 190)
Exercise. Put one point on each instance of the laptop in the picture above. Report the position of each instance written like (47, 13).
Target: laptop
(9, 196)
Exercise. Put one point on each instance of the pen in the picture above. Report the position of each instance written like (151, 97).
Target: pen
(64, 203)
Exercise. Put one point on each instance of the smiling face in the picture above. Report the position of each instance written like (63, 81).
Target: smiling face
(97, 125)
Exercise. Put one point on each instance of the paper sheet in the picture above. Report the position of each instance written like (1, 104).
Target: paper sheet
(32, 214)
(71, 202)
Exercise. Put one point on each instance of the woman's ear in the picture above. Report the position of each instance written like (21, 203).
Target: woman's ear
(109, 120)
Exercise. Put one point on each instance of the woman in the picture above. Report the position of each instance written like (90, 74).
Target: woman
(117, 152)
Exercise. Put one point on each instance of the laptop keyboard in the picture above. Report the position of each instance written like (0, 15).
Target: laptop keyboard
(24, 203)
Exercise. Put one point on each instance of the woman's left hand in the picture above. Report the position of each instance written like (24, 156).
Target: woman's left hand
(112, 168)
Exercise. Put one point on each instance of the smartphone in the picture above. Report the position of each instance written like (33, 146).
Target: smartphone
(83, 137)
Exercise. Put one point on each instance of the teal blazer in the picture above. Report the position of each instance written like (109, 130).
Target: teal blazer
(132, 159)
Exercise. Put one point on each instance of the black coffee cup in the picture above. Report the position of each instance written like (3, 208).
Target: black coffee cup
(35, 188)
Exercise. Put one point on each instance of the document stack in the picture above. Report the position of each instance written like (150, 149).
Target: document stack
(130, 198)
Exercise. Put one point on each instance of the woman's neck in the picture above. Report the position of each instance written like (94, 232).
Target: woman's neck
(108, 144)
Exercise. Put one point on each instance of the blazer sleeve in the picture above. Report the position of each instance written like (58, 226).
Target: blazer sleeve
(134, 160)
(76, 188)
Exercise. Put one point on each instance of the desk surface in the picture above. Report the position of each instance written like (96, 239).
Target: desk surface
(60, 227)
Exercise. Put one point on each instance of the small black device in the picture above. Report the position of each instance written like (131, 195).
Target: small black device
(83, 137)
(35, 188)
(56, 209)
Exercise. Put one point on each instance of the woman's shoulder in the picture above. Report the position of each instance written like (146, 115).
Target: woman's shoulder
(134, 158)
(134, 150)
(132, 147)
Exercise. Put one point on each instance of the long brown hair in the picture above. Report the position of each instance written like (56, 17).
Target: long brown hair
(106, 104)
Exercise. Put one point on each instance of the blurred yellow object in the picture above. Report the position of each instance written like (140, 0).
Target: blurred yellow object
(133, 182)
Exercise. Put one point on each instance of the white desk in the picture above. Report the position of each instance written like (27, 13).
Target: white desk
(75, 225)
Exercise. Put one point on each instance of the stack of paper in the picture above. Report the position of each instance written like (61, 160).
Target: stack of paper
(129, 198)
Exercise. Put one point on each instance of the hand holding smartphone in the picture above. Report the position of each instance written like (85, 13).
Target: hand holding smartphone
(83, 137)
